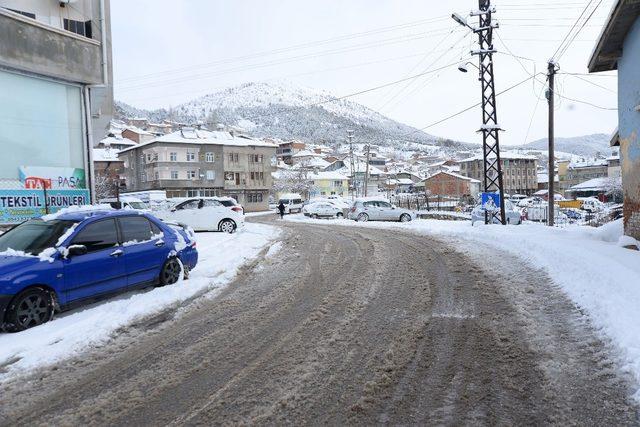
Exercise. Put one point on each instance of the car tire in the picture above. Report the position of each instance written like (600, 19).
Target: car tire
(171, 271)
(227, 226)
(363, 217)
(314, 216)
(31, 307)
(339, 215)
(405, 217)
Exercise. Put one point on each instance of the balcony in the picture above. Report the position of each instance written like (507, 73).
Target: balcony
(32, 46)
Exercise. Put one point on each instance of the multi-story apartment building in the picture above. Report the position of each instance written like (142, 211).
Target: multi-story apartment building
(56, 100)
(287, 149)
(518, 172)
(193, 162)
(580, 171)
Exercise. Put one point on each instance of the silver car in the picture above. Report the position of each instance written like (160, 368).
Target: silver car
(513, 215)
(378, 210)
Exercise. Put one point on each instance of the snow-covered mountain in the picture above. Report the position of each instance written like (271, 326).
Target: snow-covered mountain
(586, 145)
(287, 111)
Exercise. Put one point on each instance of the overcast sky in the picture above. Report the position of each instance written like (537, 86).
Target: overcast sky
(168, 52)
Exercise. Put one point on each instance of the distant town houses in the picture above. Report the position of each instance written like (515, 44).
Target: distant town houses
(519, 171)
(194, 162)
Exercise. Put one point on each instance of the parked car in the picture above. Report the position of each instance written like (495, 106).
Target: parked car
(68, 259)
(573, 214)
(292, 202)
(204, 214)
(126, 202)
(591, 204)
(530, 201)
(378, 210)
(322, 209)
(512, 214)
(229, 202)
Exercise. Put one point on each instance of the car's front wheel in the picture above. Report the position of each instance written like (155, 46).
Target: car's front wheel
(171, 271)
(227, 226)
(405, 218)
(31, 307)
(339, 215)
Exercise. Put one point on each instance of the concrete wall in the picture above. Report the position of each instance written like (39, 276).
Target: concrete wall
(26, 45)
(629, 127)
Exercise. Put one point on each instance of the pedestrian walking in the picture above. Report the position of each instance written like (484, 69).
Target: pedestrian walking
(281, 210)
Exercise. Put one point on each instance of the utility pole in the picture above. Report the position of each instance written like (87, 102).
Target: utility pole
(490, 128)
(353, 173)
(366, 174)
(551, 187)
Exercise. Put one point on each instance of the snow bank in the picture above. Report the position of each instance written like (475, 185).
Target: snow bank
(221, 255)
(587, 263)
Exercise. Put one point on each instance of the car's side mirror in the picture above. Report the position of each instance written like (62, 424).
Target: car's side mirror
(173, 209)
(75, 250)
(393, 206)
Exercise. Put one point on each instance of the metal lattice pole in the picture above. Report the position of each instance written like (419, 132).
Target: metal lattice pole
(490, 128)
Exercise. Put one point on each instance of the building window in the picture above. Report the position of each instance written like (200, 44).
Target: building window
(78, 27)
(233, 158)
(337, 183)
(256, 158)
(191, 174)
(191, 156)
(209, 157)
(174, 174)
(211, 175)
(173, 157)
(143, 177)
(27, 14)
(156, 175)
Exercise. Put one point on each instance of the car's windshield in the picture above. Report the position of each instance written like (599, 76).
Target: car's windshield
(284, 201)
(34, 236)
(137, 205)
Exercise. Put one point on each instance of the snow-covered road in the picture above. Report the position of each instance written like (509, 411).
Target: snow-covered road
(220, 257)
(588, 264)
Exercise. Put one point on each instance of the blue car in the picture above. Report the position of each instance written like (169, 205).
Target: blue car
(68, 259)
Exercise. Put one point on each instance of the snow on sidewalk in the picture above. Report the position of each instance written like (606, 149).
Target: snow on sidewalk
(220, 257)
(588, 263)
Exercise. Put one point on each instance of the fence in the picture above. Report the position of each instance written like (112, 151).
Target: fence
(421, 202)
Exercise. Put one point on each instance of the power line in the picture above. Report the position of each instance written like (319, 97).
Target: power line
(572, 27)
(367, 45)
(292, 47)
(468, 108)
(579, 30)
(591, 83)
(587, 103)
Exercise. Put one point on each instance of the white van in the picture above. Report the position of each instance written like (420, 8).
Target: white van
(126, 202)
(292, 202)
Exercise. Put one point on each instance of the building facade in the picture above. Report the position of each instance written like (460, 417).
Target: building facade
(286, 150)
(618, 48)
(56, 100)
(191, 162)
(328, 184)
(451, 184)
(519, 172)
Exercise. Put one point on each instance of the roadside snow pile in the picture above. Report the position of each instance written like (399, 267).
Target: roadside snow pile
(587, 263)
(220, 257)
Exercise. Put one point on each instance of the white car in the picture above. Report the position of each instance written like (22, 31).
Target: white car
(322, 209)
(204, 214)
(125, 202)
(513, 215)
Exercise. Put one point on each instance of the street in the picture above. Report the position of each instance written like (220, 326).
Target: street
(346, 325)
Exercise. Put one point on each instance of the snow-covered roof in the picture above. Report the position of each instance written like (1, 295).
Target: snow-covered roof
(331, 175)
(453, 174)
(198, 136)
(587, 163)
(314, 162)
(105, 155)
(306, 153)
(138, 130)
(597, 184)
(504, 155)
(117, 140)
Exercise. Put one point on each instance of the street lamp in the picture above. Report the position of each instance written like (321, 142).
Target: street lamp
(462, 21)
(463, 66)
